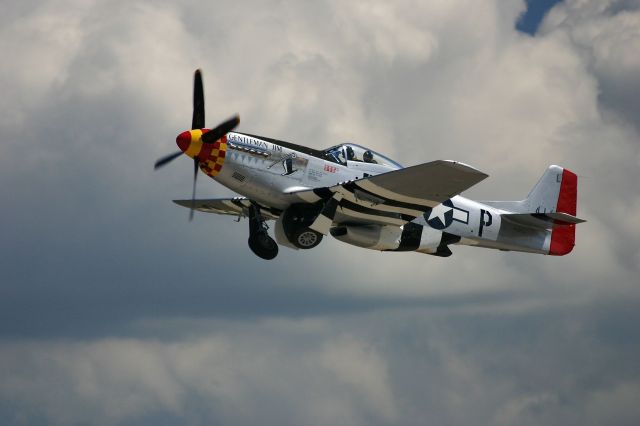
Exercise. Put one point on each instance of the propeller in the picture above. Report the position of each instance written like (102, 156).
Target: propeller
(197, 122)
(193, 193)
(214, 134)
(165, 160)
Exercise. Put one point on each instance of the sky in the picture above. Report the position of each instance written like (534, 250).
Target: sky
(114, 309)
(529, 21)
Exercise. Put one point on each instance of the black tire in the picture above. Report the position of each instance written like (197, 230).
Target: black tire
(262, 245)
(306, 238)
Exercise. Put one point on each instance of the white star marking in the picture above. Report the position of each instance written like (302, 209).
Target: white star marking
(439, 211)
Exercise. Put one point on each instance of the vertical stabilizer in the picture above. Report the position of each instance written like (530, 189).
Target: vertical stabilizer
(543, 198)
(556, 191)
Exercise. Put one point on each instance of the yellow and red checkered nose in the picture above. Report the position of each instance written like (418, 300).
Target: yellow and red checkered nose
(210, 155)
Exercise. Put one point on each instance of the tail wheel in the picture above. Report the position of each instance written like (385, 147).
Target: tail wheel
(306, 238)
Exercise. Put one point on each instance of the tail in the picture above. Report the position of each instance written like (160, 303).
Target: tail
(557, 191)
(553, 200)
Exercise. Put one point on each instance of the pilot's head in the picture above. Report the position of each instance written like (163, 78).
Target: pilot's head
(350, 154)
(367, 156)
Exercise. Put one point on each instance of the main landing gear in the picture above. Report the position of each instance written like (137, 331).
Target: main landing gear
(296, 221)
(259, 240)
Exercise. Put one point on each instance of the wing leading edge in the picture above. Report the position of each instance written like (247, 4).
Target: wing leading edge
(236, 206)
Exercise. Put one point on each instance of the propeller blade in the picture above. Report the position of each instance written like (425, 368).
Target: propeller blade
(196, 163)
(164, 160)
(197, 121)
(214, 134)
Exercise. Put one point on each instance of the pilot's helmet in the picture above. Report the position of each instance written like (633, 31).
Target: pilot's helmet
(367, 156)
(350, 154)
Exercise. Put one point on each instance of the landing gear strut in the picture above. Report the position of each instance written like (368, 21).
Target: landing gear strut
(259, 240)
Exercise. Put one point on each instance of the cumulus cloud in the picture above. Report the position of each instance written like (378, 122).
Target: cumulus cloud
(607, 36)
(254, 375)
(96, 91)
(452, 367)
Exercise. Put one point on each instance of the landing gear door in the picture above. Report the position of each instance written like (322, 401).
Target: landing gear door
(280, 235)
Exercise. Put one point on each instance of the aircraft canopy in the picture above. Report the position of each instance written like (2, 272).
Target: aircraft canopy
(354, 152)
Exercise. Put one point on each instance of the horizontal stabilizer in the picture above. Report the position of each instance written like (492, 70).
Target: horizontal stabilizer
(542, 220)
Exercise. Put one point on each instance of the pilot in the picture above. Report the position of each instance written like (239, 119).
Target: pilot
(351, 156)
(368, 157)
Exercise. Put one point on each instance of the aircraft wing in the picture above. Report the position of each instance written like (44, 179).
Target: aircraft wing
(398, 196)
(236, 206)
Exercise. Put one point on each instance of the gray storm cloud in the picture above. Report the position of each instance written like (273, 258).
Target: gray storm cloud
(114, 309)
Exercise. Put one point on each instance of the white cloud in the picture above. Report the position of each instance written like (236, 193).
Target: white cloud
(380, 368)
(37, 49)
(97, 89)
(441, 80)
(266, 374)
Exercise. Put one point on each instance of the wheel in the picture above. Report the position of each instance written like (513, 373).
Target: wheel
(263, 245)
(305, 238)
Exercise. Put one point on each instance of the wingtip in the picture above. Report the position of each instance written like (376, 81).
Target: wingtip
(183, 203)
(465, 167)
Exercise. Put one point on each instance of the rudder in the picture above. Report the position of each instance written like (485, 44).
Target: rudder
(563, 238)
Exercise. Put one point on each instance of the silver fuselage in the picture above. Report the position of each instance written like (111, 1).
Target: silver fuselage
(266, 171)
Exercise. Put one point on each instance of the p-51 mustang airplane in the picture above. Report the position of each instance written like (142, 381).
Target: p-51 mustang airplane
(364, 198)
